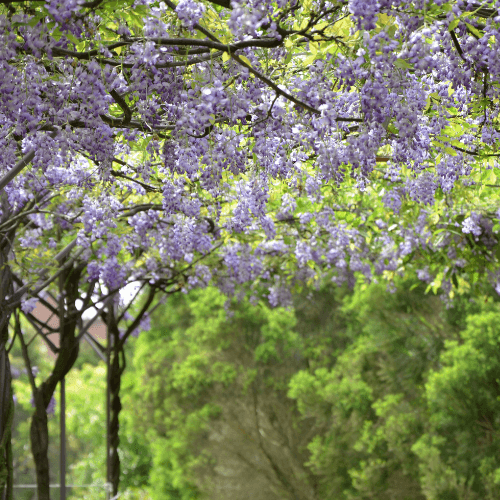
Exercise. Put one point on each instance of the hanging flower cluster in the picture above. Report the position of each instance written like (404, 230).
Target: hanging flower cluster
(259, 143)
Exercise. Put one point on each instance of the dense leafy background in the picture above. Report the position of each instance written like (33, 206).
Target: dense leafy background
(349, 395)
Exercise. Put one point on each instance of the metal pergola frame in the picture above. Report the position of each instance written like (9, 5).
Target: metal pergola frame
(83, 333)
(104, 353)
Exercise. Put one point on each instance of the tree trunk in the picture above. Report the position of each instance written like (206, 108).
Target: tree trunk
(116, 368)
(40, 446)
(114, 427)
(68, 353)
(6, 400)
(6, 416)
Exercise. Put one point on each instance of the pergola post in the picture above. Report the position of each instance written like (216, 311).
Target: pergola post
(108, 415)
(62, 467)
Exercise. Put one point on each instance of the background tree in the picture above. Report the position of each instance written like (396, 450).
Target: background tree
(213, 401)
(456, 450)
(353, 386)
(213, 395)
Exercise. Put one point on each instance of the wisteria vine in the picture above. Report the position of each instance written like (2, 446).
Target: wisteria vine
(163, 133)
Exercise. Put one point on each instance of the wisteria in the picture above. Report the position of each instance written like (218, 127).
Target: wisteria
(398, 97)
(251, 145)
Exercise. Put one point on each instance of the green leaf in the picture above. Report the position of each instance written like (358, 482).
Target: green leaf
(474, 30)
(453, 24)
(246, 60)
(401, 63)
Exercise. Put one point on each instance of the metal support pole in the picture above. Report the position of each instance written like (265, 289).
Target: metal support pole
(3, 401)
(62, 468)
(108, 414)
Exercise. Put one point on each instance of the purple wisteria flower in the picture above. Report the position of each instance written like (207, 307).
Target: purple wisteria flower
(171, 163)
(472, 224)
(189, 12)
(424, 275)
(144, 325)
(28, 305)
